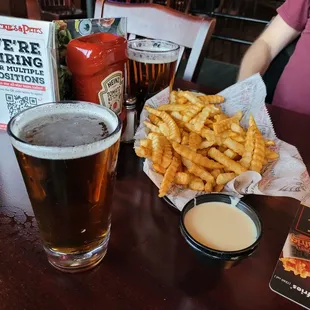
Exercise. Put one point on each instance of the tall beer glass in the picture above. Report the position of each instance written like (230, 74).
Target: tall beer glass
(67, 153)
(150, 68)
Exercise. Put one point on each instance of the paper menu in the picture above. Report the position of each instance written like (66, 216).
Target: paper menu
(291, 277)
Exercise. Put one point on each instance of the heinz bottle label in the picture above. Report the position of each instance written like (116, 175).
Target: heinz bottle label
(111, 94)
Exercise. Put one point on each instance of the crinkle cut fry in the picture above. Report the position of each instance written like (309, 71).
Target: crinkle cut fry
(234, 145)
(192, 111)
(196, 184)
(169, 176)
(158, 168)
(192, 98)
(196, 158)
(258, 153)
(155, 119)
(246, 159)
(224, 124)
(198, 171)
(143, 152)
(167, 155)
(151, 126)
(194, 140)
(226, 161)
(208, 187)
(158, 144)
(174, 131)
(213, 99)
(182, 178)
(146, 143)
(173, 97)
(224, 178)
(199, 120)
(173, 107)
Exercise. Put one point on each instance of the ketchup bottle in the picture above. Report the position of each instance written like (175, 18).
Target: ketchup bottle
(97, 63)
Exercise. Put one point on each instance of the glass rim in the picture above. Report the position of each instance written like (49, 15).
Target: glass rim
(176, 46)
(50, 149)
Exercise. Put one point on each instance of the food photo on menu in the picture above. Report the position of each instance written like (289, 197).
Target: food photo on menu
(93, 113)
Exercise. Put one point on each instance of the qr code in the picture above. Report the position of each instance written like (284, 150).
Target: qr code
(18, 103)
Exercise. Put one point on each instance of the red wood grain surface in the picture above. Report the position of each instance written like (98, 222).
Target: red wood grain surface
(148, 264)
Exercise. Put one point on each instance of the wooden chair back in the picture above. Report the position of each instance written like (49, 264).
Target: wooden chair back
(14, 8)
(56, 5)
(33, 9)
(159, 22)
(179, 5)
(53, 9)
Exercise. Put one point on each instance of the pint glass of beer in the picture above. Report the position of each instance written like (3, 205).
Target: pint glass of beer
(150, 68)
(67, 153)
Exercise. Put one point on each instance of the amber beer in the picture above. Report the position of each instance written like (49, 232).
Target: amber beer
(67, 154)
(150, 68)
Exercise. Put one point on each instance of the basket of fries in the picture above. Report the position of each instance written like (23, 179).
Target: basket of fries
(196, 143)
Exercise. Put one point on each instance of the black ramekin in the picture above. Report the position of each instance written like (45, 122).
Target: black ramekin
(222, 259)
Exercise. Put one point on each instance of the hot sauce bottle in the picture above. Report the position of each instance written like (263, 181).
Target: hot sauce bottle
(97, 64)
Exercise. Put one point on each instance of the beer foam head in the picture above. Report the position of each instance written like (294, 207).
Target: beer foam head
(39, 113)
(152, 51)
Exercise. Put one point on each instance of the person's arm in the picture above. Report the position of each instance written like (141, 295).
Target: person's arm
(259, 56)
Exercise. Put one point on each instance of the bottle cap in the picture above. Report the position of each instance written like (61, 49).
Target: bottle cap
(130, 103)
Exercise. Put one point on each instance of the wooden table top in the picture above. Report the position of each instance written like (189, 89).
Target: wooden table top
(148, 264)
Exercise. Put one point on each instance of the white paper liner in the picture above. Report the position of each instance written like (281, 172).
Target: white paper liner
(287, 176)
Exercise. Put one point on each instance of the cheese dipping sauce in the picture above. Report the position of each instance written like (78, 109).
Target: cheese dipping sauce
(220, 226)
